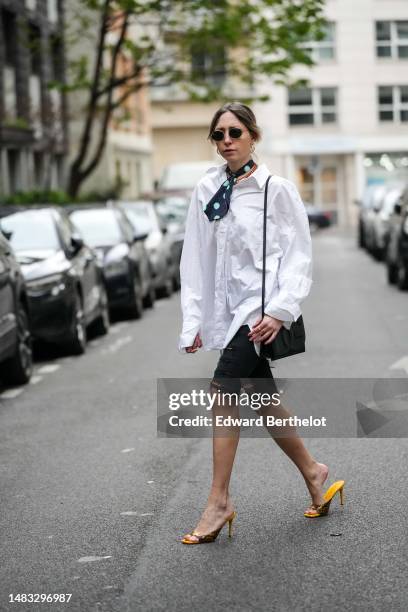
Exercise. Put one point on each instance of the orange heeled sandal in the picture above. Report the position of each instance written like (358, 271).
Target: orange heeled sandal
(210, 537)
(323, 509)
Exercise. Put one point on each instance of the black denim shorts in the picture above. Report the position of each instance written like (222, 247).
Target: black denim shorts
(240, 366)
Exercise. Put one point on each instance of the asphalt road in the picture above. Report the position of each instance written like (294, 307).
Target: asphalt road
(93, 503)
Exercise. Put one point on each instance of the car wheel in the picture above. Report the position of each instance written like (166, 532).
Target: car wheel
(150, 297)
(361, 241)
(18, 369)
(77, 342)
(402, 276)
(102, 324)
(135, 308)
(391, 273)
(167, 289)
(176, 282)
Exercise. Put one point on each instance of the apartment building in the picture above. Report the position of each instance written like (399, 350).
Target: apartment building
(348, 129)
(33, 134)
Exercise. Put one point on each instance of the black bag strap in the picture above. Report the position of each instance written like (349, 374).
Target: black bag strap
(264, 244)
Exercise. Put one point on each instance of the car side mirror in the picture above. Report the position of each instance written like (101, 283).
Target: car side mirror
(138, 237)
(76, 243)
(6, 234)
(397, 208)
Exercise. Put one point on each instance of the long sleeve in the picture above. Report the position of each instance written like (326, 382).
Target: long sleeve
(295, 269)
(191, 274)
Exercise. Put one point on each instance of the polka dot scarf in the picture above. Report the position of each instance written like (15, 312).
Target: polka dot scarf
(219, 204)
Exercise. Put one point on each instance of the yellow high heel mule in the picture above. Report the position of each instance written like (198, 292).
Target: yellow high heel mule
(210, 537)
(323, 509)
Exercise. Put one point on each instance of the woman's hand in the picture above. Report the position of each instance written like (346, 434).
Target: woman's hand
(196, 344)
(265, 329)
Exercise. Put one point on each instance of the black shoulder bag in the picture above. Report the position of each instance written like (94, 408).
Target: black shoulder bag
(288, 341)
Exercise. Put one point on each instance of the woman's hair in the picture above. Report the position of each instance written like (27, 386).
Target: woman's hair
(243, 113)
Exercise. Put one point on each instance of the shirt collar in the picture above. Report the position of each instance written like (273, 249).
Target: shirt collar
(259, 175)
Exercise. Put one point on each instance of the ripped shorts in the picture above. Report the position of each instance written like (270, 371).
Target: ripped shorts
(240, 366)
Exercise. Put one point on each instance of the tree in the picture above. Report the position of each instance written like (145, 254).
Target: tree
(251, 40)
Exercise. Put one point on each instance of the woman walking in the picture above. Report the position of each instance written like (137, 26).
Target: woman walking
(221, 284)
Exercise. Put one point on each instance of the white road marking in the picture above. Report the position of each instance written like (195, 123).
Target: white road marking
(49, 369)
(35, 380)
(11, 393)
(127, 450)
(113, 348)
(93, 558)
(133, 513)
(401, 364)
(150, 481)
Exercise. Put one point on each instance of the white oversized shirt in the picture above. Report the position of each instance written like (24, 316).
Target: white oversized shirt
(221, 261)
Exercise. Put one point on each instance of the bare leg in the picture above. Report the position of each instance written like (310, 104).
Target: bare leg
(225, 442)
(292, 445)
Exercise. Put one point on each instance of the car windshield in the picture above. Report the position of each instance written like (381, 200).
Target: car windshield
(390, 200)
(98, 227)
(31, 231)
(142, 217)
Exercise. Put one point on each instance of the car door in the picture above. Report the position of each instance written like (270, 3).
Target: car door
(84, 266)
(129, 237)
(91, 273)
(8, 319)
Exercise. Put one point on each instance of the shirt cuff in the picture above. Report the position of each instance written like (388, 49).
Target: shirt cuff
(288, 317)
(186, 339)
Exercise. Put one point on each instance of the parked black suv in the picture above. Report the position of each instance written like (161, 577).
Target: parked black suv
(122, 255)
(16, 362)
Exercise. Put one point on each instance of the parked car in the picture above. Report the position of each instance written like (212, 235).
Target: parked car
(369, 206)
(65, 288)
(318, 218)
(145, 220)
(396, 256)
(16, 360)
(381, 220)
(173, 210)
(122, 255)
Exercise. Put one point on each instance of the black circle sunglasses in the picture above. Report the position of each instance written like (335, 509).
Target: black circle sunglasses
(219, 135)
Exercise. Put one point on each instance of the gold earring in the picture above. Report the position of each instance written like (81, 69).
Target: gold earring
(252, 147)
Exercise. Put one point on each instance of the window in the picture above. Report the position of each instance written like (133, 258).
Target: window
(9, 37)
(393, 103)
(312, 106)
(56, 57)
(392, 39)
(322, 50)
(35, 49)
(208, 65)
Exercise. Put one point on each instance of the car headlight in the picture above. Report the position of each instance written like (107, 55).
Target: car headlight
(152, 242)
(50, 285)
(116, 268)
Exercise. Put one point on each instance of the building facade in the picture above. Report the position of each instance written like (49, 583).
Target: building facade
(346, 130)
(33, 116)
